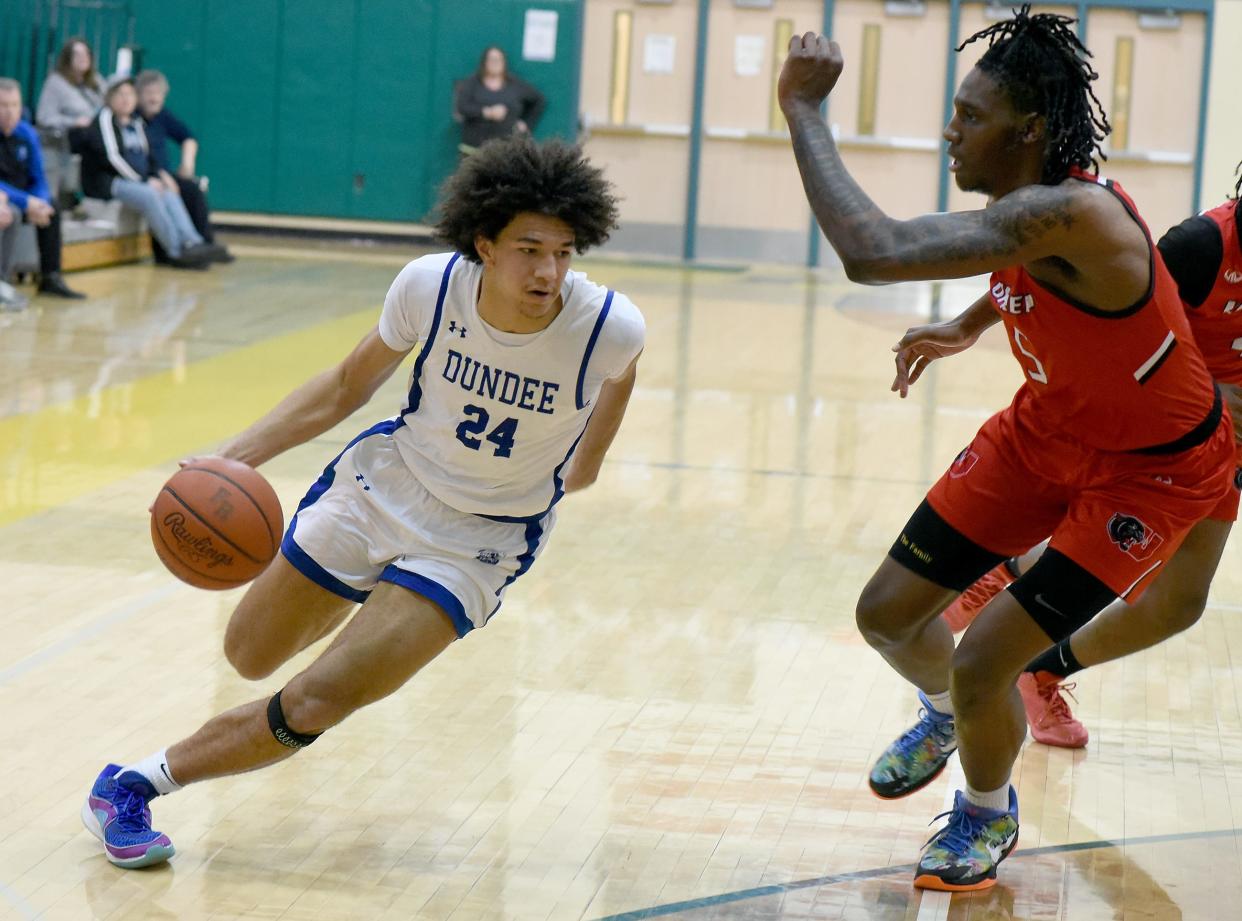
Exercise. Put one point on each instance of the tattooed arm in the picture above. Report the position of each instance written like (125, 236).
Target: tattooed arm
(1030, 223)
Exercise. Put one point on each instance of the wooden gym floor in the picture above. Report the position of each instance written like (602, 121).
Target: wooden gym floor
(672, 717)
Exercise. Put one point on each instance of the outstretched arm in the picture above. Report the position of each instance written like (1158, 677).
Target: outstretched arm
(614, 396)
(1030, 223)
(319, 404)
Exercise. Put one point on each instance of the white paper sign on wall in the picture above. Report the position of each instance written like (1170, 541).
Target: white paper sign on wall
(659, 54)
(539, 36)
(748, 55)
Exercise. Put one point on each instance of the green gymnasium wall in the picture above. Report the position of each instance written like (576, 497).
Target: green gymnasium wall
(340, 108)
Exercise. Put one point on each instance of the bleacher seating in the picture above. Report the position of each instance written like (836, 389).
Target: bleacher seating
(96, 233)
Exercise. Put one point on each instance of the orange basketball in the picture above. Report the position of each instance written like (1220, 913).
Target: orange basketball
(216, 523)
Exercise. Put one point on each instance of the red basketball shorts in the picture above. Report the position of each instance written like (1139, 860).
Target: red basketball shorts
(1120, 516)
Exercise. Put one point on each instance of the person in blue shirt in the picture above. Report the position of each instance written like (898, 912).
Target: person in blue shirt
(24, 184)
(163, 126)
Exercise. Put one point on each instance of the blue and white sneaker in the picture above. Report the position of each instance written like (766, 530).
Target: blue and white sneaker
(918, 757)
(117, 814)
(963, 856)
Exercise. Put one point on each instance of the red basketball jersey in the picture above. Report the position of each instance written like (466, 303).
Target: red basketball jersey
(1217, 322)
(1123, 381)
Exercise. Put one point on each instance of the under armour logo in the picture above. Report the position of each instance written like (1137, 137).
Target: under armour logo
(454, 328)
(363, 480)
(1233, 277)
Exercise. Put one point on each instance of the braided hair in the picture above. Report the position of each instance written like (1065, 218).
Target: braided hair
(1237, 189)
(1042, 66)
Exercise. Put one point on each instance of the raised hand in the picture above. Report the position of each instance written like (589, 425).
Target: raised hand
(811, 70)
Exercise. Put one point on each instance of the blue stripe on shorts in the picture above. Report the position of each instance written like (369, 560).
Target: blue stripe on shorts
(434, 592)
(303, 563)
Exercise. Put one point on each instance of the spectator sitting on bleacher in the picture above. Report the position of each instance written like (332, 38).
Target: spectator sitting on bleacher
(73, 92)
(117, 163)
(161, 126)
(23, 181)
(10, 220)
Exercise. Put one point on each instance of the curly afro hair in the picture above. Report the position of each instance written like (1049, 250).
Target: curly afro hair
(1039, 61)
(512, 175)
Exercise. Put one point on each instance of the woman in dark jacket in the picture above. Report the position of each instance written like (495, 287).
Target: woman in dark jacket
(117, 163)
(492, 103)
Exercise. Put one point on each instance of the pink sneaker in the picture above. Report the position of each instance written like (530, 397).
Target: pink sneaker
(969, 603)
(1047, 712)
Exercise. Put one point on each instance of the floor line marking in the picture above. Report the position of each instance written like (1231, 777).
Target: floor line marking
(933, 905)
(85, 633)
(740, 895)
(24, 908)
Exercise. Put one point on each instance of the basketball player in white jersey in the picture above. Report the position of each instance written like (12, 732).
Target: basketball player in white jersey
(522, 377)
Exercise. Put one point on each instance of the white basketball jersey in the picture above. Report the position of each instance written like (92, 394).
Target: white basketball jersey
(492, 418)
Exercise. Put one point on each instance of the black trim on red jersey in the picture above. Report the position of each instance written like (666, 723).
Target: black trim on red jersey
(1194, 252)
(1151, 265)
(1159, 361)
(1196, 436)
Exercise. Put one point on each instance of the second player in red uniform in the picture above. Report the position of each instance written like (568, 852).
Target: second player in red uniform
(1116, 444)
(1204, 256)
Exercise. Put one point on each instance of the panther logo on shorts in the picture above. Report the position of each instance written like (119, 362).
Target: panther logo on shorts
(491, 557)
(963, 463)
(1133, 537)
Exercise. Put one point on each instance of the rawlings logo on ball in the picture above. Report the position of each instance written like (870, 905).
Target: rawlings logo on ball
(195, 548)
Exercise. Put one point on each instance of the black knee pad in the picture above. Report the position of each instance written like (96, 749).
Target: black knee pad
(1060, 595)
(930, 547)
(280, 729)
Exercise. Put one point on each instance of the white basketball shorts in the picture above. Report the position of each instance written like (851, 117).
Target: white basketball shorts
(368, 519)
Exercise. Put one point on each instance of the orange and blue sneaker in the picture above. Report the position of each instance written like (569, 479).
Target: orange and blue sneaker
(915, 759)
(966, 607)
(963, 856)
(117, 814)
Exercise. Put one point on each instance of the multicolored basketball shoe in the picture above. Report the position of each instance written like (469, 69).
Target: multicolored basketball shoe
(969, 603)
(914, 760)
(964, 855)
(117, 815)
(1048, 713)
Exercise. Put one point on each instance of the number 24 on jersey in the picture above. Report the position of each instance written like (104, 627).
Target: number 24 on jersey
(475, 424)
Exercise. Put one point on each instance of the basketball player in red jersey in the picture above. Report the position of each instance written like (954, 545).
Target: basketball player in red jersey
(1204, 256)
(1116, 443)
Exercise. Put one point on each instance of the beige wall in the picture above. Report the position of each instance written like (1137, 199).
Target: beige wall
(1223, 148)
(1168, 67)
(651, 172)
(748, 177)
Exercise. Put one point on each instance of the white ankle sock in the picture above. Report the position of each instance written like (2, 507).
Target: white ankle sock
(155, 769)
(989, 799)
(941, 703)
